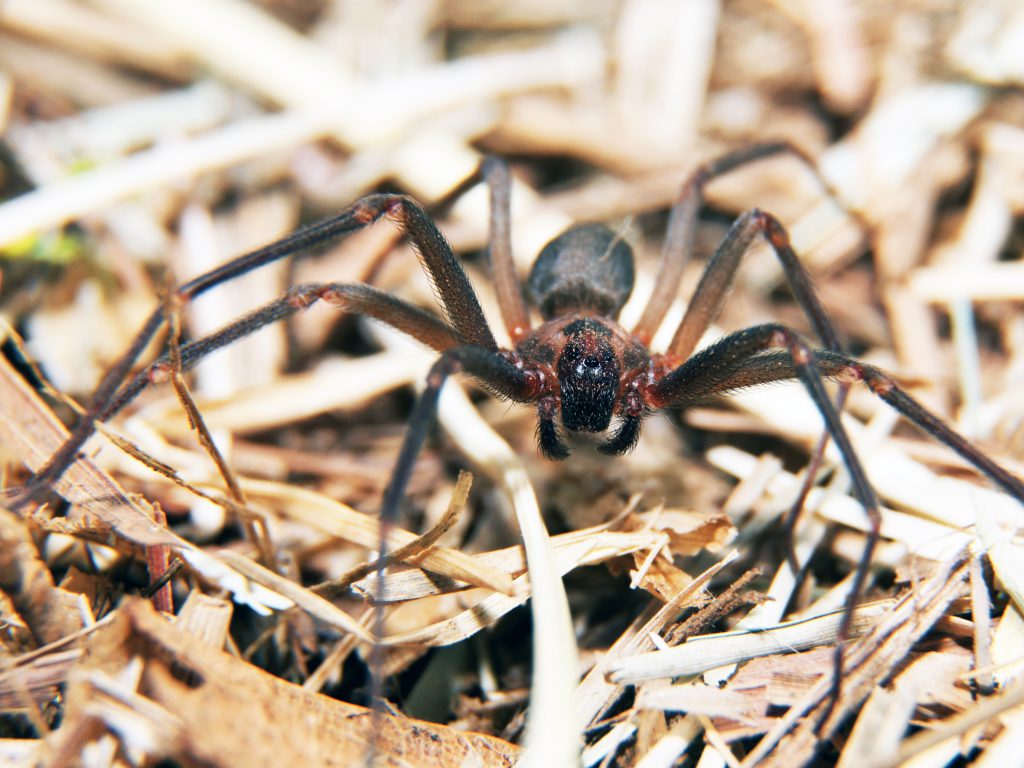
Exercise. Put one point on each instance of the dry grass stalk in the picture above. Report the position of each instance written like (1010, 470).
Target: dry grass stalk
(302, 107)
(706, 652)
(869, 663)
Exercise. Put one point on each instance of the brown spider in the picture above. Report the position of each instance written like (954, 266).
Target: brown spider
(579, 367)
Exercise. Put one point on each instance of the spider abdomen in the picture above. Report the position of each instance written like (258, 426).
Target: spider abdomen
(586, 268)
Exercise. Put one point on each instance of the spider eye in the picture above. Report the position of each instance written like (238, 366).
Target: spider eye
(589, 366)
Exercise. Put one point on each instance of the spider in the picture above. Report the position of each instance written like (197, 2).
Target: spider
(580, 368)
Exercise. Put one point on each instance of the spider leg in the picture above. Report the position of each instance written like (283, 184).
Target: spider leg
(682, 227)
(707, 303)
(550, 442)
(446, 273)
(494, 171)
(490, 367)
(716, 371)
(697, 375)
(510, 295)
(356, 298)
(450, 281)
(844, 368)
(721, 271)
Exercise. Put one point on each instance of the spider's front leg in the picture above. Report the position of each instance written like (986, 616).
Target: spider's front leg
(718, 277)
(493, 369)
(701, 376)
(749, 358)
(466, 318)
(737, 360)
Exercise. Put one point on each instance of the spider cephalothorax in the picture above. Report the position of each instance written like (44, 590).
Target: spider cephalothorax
(583, 361)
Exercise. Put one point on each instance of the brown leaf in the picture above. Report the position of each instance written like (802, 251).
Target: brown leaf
(230, 713)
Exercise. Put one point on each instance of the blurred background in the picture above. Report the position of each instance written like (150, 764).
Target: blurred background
(143, 142)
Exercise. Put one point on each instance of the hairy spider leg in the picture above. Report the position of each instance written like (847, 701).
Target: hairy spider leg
(721, 271)
(675, 254)
(495, 173)
(490, 367)
(681, 233)
(356, 298)
(745, 359)
(453, 288)
(514, 313)
(707, 303)
(752, 341)
(716, 370)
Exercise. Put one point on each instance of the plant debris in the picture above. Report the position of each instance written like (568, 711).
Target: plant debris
(203, 584)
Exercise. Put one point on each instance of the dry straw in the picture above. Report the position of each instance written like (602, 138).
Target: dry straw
(142, 136)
